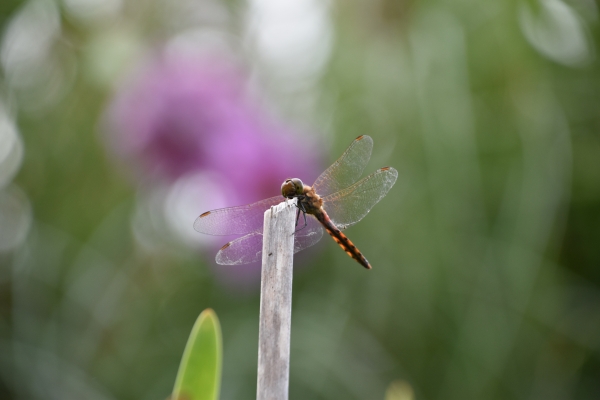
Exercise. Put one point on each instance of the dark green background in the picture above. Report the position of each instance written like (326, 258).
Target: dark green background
(486, 255)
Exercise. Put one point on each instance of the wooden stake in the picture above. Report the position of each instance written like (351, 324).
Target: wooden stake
(276, 302)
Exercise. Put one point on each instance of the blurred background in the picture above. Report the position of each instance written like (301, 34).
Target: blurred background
(122, 120)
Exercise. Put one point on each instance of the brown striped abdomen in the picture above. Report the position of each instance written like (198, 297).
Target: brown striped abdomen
(341, 239)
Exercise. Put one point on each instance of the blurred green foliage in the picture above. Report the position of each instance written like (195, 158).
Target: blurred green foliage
(486, 264)
(199, 375)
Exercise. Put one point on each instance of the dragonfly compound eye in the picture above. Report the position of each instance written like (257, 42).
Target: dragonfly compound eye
(291, 188)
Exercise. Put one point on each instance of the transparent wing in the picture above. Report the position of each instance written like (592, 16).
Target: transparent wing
(243, 250)
(248, 249)
(308, 236)
(347, 169)
(235, 220)
(350, 205)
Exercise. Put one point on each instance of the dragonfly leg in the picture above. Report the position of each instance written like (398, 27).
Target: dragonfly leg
(302, 210)
(305, 223)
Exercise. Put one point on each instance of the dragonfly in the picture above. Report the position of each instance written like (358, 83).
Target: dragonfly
(336, 201)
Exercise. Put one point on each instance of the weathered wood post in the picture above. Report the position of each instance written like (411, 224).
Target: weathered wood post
(276, 302)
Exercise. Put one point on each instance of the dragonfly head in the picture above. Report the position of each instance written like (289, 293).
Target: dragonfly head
(292, 188)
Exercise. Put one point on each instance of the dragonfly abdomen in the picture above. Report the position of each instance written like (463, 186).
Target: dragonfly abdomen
(341, 239)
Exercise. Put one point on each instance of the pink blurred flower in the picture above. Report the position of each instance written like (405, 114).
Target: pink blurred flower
(181, 114)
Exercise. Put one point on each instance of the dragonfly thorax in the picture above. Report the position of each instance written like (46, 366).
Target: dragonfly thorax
(292, 188)
(308, 201)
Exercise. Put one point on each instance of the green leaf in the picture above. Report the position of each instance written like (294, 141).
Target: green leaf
(199, 375)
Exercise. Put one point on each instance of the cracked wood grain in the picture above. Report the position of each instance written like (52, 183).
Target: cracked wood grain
(276, 302)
